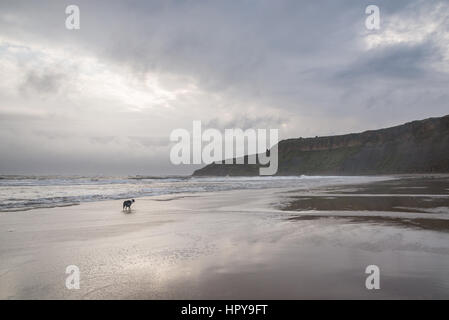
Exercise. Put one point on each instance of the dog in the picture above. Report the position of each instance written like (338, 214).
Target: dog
(127, 204)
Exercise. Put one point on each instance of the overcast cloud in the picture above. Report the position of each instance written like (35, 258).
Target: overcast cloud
(104, 99)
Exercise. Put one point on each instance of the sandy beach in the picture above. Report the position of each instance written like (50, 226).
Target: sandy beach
(239, 244)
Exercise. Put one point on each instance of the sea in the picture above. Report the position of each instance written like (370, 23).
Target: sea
(21, 192)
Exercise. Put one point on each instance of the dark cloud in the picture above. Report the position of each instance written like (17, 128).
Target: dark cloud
(47, 82)
(399, 61)
(150, 141)
(245, 121)
(252, 63)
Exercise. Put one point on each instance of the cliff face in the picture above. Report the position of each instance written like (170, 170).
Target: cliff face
(415, 147)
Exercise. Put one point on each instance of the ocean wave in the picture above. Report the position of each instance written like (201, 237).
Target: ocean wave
(28, 192)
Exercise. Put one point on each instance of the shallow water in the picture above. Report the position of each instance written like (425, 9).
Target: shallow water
(29, 192)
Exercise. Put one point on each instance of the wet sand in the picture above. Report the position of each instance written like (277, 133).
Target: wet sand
(368, 202)
(414, 194)
(234, 244)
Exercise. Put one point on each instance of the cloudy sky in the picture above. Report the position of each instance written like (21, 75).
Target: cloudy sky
(104, 99)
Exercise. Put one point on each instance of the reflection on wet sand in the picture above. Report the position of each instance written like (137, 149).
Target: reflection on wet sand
(417, 194)
(416, 223)
(418, 184)
(370, 203)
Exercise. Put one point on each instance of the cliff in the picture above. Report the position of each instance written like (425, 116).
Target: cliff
(415, 147)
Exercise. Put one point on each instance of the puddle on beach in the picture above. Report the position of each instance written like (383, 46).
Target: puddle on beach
(370, 203)
(424, 195)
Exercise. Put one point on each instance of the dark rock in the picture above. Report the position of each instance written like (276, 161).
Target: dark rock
(415, 147)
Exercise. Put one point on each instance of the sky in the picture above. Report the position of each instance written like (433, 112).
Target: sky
(104, 99)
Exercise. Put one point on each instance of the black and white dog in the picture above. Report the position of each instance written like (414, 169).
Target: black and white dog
(127, 204)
